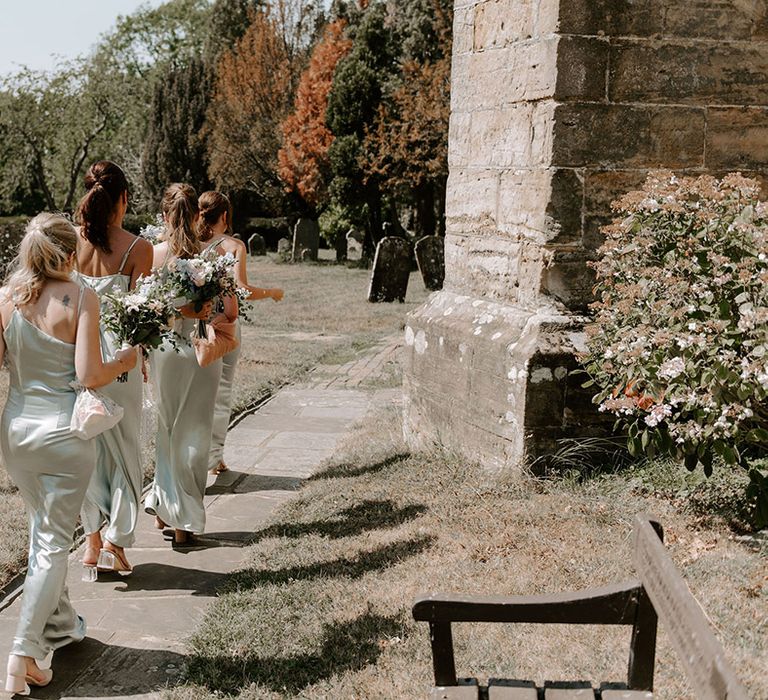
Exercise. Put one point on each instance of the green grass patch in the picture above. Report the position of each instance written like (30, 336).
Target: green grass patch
(322, 610)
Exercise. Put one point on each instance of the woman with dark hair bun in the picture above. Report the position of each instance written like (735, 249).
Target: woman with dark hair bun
(108, 256)
(215, 228)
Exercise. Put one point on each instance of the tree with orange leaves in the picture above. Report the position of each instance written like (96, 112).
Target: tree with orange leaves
(303, 159)
(253, 94)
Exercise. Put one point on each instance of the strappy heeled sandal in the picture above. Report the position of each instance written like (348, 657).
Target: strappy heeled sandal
(220, 469)
(18, 678)
(112, 560)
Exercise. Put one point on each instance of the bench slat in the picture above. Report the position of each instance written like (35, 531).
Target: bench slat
(615, 604)
(569, 694)
(503, 689)
(701, 655)
(467, 690)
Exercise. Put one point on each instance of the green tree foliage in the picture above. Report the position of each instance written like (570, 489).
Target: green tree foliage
(406, 144)
(356, 93)
(174, 150)
(52, 124)
(228, 22)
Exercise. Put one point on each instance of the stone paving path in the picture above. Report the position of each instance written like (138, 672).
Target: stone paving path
(137, 625)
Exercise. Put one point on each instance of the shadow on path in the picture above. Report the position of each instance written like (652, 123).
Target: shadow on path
(239, 482)
(94, 669)
(345, 646)
(343, 470)
(164, 577)
(353, 567)
(363, 517)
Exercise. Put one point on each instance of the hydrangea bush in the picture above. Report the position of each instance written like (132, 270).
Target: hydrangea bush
(678, 348)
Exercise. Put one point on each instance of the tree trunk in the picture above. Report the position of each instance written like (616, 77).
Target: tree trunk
(426, 220)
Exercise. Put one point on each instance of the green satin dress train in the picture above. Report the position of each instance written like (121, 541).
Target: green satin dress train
(223, 407)
(114, 493)
(185, 394)
(51, 468)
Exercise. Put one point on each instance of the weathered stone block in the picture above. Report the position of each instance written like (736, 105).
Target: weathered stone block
(599, 136)
(582, 66)
(471, 200)
(737, 138)
(567, 278)
(501, 138)
(695, 19)
(498, 23)
(655, 72)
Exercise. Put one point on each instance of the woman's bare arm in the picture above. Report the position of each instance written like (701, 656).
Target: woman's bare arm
(91, 370)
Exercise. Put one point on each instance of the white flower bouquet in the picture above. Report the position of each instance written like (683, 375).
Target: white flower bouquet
(140, 317)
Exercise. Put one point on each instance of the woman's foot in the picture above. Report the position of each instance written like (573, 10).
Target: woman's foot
(221, 467)
(112, 558)
(23, 671)
(159, 524)
(182, 537)
(93, 546)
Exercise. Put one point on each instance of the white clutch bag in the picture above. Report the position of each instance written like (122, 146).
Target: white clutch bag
(93, 413)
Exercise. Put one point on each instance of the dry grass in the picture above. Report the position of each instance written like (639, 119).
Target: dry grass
(324, 318)
(323, 609)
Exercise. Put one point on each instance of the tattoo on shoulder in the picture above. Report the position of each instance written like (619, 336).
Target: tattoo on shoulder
(66, 300)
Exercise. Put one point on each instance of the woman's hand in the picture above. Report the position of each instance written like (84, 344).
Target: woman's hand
(188, 311)
(128, 358)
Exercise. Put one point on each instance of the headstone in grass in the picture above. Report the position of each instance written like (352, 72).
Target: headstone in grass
(354, 244)
(391, 269)
(306, 235)
(284, 249)
(430, 257)
(257, 245)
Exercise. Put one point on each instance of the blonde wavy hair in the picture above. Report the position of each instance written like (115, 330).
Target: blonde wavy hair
(45, 253)
(180, 210)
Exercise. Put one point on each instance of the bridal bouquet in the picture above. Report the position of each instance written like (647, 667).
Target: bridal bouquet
(202, 278)
(153, 232)
(142, 316)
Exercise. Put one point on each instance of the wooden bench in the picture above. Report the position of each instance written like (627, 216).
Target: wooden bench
(658, 592)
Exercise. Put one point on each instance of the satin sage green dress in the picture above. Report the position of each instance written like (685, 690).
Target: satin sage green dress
(51, 468)
(185, 394)
(223, 408)
(114, 493)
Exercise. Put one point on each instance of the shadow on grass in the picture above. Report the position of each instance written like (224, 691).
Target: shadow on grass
(341, 471)
(345, 646)
(352, 567)
(365, 516)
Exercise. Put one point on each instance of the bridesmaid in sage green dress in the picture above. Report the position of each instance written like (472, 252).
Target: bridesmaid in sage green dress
(185, 392)
(110, 257)
(50, 337)
(214, 224)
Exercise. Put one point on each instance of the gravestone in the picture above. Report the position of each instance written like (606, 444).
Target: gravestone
(257, 245)
(430, 257)
(306, 235)
(354, 244)
(391, 270)
(284, 249)
(557, 108)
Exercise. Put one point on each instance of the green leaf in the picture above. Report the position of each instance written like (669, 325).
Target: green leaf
(691, 460)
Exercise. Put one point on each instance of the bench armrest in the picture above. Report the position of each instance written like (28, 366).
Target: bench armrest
(607, 605)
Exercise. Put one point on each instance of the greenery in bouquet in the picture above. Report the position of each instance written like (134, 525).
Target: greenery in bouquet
(142, 316)
(678, 348)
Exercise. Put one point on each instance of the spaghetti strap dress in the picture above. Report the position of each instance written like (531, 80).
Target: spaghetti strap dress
(185, 394)
(223, 407)
(51, 468)
(114, 493)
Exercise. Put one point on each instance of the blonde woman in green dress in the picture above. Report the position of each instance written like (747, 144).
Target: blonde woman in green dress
(185, 392)
(110, 257)
(50, 337)
(213, 228)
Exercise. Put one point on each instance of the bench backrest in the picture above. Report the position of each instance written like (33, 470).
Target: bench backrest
(702, 656)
